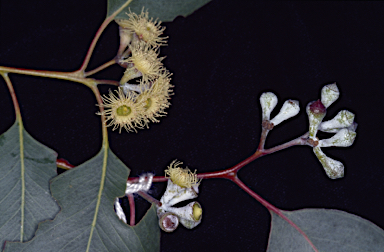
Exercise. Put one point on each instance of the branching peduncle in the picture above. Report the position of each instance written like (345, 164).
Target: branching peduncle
(97, 36)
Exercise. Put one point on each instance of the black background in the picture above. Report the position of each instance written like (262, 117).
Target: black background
(222, 58)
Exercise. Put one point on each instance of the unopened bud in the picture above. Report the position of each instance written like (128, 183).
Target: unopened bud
(268, 102)
(343, 138)
(329, 94)
(290, 109)
(343, 119)
(168, 222)
(316, 112)
(333, 168)
(125, 35)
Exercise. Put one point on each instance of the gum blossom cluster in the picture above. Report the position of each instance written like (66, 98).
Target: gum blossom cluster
(342, 125)
(145, 89)
(182, 185)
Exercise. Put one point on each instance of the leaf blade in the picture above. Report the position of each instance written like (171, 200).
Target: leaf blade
(26, 166)
(77, 192)
(328, 229)
(164, 10)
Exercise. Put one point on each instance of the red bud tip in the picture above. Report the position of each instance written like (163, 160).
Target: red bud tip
(317, 107)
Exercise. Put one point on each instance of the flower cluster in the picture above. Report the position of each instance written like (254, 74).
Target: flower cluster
(182, 185)
(144, 100)
(342, 124)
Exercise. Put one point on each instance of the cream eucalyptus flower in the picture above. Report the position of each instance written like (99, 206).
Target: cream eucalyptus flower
(122, 111)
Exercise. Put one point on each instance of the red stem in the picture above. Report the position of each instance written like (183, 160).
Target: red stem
(97, 36)
(131, 209)
(271, 208)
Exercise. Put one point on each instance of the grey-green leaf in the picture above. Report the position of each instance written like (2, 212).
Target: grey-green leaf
(164, 10)
(327, 229)
(87, 221)
(26, 166)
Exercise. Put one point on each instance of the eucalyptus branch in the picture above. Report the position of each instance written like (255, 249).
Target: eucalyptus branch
(70, 76)
(98, 34)
(99, 68)
(131, 209)
(272, 208)
(149, 198)
(13, 94)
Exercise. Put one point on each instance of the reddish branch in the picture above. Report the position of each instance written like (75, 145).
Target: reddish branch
(131, 209)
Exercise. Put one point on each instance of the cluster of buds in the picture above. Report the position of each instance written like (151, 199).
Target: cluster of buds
(182, 185)
(147, 96)
(268, 102)
(342, 124)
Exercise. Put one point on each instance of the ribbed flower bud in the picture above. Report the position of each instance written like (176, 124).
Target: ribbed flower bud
(290, 109)
(316, 112)
(329, 94)
(343, 138)
(343, 119)
(268, 102)
(333, 168)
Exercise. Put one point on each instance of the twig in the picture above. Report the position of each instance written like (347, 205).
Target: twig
(149, 198)
(98, 34)
(131, 209)
(99, 68)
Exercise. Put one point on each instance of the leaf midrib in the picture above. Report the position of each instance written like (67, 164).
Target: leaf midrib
(101, 188)
(21, 139)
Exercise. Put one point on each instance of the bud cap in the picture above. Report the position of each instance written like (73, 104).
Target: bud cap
(333, 168)
(268, 101)
(343, 119)
(316, 112)
(290, 109)
(329, 94)
(343, 138)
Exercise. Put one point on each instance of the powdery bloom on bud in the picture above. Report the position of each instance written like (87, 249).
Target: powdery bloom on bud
(290, 109)
(175, 194)
(343, 119)
(268, 102)
(143, 62)
(343, 138)
(333, 168)
(190, 215)
(329, 94)
(316, 112)
(122, 111)
(181, 177)
(145, 28)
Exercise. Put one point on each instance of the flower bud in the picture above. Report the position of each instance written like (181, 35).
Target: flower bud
(333, 168)
(268, 102)
(290, 109)
(343, 119)
(125, 35)
(329, 94)
(316, 112)
(190, 215)
(343, 138)
(168, 222)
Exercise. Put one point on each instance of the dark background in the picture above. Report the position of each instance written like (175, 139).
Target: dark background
(222, 58)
